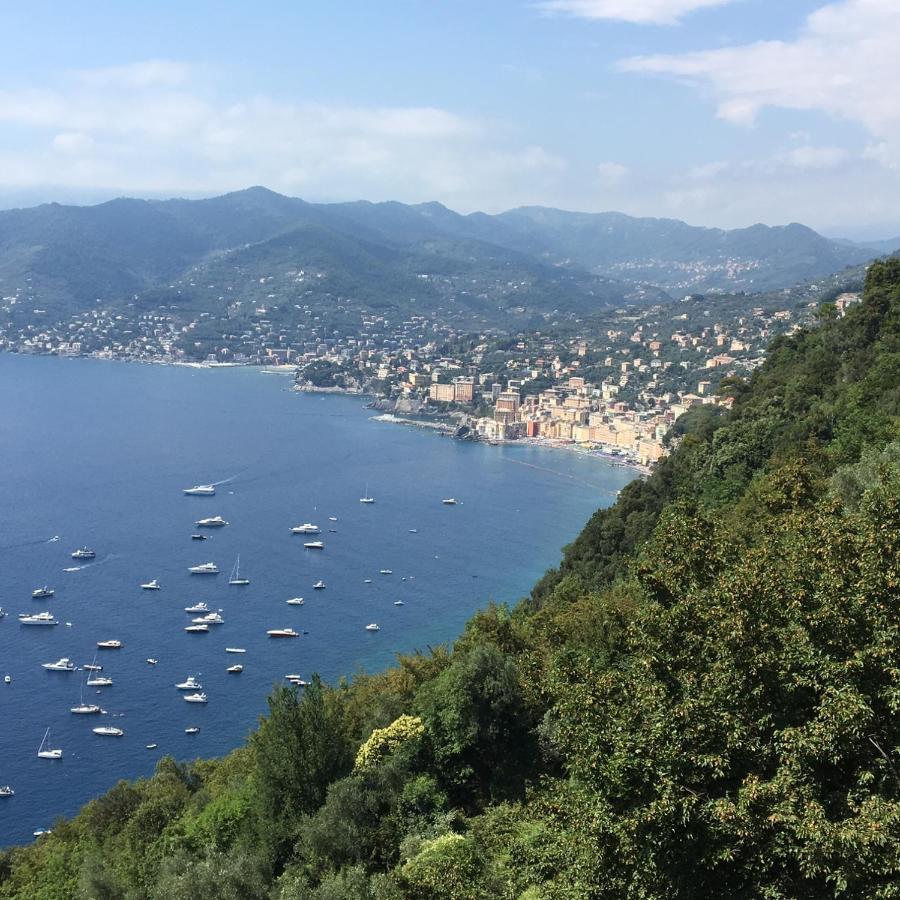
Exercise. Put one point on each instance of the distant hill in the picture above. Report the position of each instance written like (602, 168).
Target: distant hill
(531, 261)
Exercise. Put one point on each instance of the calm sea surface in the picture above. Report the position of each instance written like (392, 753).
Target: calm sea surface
(98, 453)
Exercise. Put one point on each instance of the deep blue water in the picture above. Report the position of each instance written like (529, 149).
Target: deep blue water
(98, 453)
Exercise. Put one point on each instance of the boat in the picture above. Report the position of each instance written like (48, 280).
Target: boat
(398, 603)
(192, 730)
(385, 571)
(200, 490)
(108, 731)
(282, 633)
(319, 585)
(151, 585)
(109, 645)
(314, 545)
(367, 580)
(42, 593)
(83, 553)
(152, 662)
(209, 568)
(48, 752)
(85, 709)
(235, 650)
(92, 667)
(306, 528)
(197, 628)
(296, 680)
(198, 537)
(235, 577)
(295, 601)
(99, 681)
(332, 518)
(195, 698)
(197, 608)
(61, 665)
(235, 670)
(413, 530)
(6, 791)
(7, 679)
(150, 746)
(190, 684)
(366, 498)
(73, 569)
(212, 618)
(43, 618)
(449, 501)
(372, 626)
(211, 522)
(2, 612)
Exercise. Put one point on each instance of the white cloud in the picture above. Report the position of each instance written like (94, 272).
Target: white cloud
(810, 157)
(611, 172)
(844, 63)
(641, 12)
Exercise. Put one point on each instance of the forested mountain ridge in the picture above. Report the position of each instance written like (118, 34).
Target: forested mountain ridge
(703, 701)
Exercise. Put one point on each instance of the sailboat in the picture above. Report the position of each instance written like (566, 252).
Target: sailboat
(48, 753)
(86, 709)
(366, 498)
(236, 574)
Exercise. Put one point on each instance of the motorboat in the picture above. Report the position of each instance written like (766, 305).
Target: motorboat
(372, 626)
(367, 580)
(45, 752)
(200, 490)
(42, 593)
(413, 530)
(197, 628)
(295, 601)
(84, 553)
(43, 618)
(61, 665)
(235, 670)
(7, 679)
(212, 618)
(235, 650)
(319, 586)
(449, 501)
(198, 537)
(152, 662)
(108, 731)
(150, 746)
(192, 730)
(92, 667)
(235, 577)
(6, 791)
(282, 633)
(209, 568)
(296, 680)
(314, 545)
(306, 528)
(197, 608)
(195, 698)
(99, 681)
(190, 684)
(211, 522)
(152, 585)
(332, 518)
(398, 603)
(109, 645)
(385, 571)
(86, 709)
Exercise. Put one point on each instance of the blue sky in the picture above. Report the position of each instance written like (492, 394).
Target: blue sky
(719, 112)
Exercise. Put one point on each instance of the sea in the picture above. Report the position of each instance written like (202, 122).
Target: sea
(96, 454)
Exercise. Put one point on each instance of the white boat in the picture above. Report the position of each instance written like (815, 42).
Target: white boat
(192, 730)
(197, 608)
(43, 618)
(197, 628)
(413, 530)
(314, 545)
(235, 670)
(150, 746)
(306, 528)
(385, 571)
(332, 518)
(319, 586)
(195, 698)
(6, 791)
(200, 490)
(45, 752)
(85, 709)
(61, 665)
(282, 633)
(295, 601)
(367, 580)
(92, 667)
(99, 681)
(42, 593)
(235, 650)
(296, 680)
(366, 498)
(152, 662)
(211, 522)
(151, 585)
(212, 618)
(7, 679)
(209, 568)
(109, 645)
(235, 577)
(190, 684)
(108, 731)
(449, 501)
(398, 603)
(83, 553)
(373, 627)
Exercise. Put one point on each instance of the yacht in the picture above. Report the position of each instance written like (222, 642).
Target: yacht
(450, 501)
(61, 665)
(151, 585)
(6, 791)
(109, 645)
(306, 528)
(235, 650)
(195, 698)
(200, 490)
(211, 522)
(42, 593)
(235, 670)
(192, 730)
(108, 731)
(85, 709)
(282, 633)
(295, 601)
(99, 681)
(43, 618)
(209, 568)
(296, 680)
(92, 667)
(47, 752)
(197, 608)
(212, 618)
(83, 553)
(319, 585)
(197, 628)
(314, 545)
(235, 577)
(373, 627)
(190, 684)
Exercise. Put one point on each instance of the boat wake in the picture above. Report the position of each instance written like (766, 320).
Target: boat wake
(590, 484)
(93, 565)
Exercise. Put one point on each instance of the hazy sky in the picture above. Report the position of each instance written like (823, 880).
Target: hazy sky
(721, 112)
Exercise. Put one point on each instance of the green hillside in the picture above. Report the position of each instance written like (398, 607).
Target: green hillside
(703, 701)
